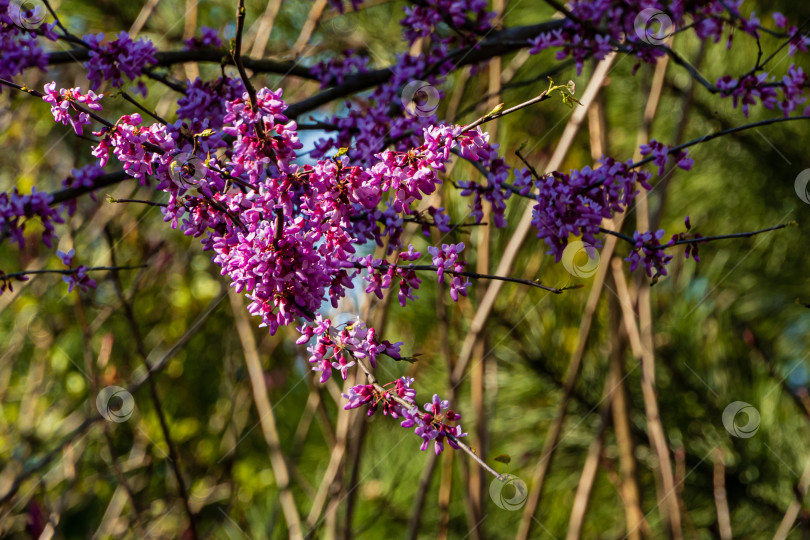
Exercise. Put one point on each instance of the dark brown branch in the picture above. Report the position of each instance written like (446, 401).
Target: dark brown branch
(138, 201)
(497, 44)
(65, 272)
(214, 56)
(67, 194)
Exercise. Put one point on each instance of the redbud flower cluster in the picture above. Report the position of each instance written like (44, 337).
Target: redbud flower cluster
(660, 153)
(63, 105)
(209, 37)
(338, 350)
(116, 59)
(576, 203)
(18, 44)
(368, 394)
(287, 234)
(16, 209)
(433, 425)
(381, 275)
(446, 259)
(78, 276)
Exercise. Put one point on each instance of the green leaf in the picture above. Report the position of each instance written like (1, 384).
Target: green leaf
(567, 100)
(503, 458)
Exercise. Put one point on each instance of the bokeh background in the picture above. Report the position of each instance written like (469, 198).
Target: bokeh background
(725, 329)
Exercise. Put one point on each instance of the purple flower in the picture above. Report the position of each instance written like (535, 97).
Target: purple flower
(16, 210)
(433, 425)
(79, 278)
(649, 251)
(114, 60)
(66, 258)
(63, 105)
(209, 38)
(446, 259)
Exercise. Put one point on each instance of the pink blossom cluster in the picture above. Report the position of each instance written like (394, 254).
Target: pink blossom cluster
(382, 274)
(131, 144)
(287, 238)
(64, 105)
(368, 394)
(435, 424)
(333, 349)
(446, 260)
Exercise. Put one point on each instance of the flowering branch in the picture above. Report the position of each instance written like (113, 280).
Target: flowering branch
(474, 275)
(237, 58)
(698, 239)
(372, 379)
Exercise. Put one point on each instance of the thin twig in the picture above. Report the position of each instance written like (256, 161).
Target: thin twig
(494, 116)
(138, 201)
(75, 105)
(66, 271)
(237, 58)
(697, 240)
(144, 109)
(474, 275)
(372, 379)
